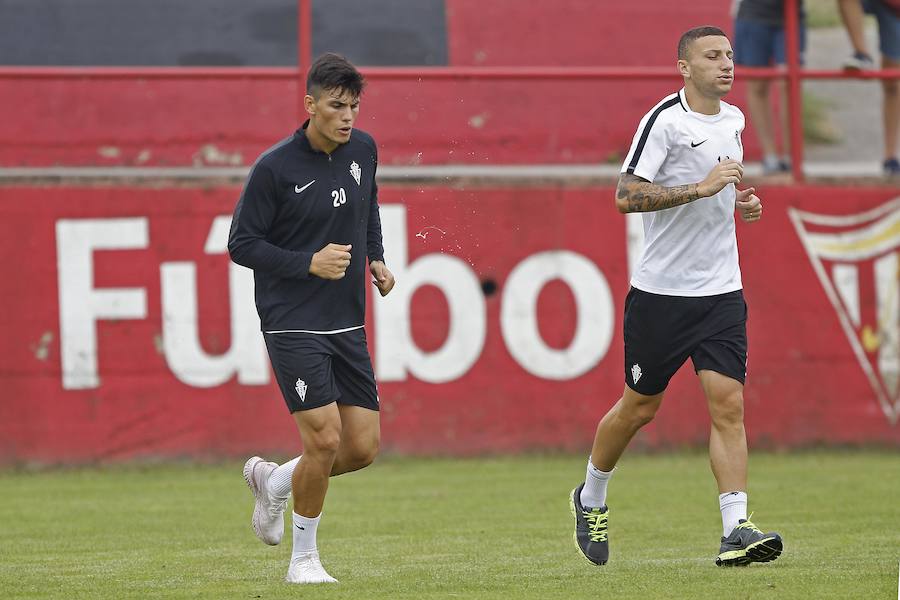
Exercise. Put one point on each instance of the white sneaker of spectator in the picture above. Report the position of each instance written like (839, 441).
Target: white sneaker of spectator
(772, 165)
(859, 61)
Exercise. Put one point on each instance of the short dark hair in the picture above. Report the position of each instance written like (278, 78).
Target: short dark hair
(694, 34)
(334, 72)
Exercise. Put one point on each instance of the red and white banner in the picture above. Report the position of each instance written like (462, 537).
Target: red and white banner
(129, 333)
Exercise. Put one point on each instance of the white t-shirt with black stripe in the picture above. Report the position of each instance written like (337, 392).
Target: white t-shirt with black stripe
(689, 250)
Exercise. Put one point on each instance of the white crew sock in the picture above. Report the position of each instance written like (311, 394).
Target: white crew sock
(280, 480)
(304, 534)
(593, 494)
(734, 507)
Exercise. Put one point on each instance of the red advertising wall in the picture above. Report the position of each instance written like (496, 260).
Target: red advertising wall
(128, 333)
(179, 121)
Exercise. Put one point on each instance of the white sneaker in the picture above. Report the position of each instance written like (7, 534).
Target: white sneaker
(268, 514)
(859, 62)
(306, 568)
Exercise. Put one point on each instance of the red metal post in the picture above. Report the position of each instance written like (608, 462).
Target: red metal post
(304, 51)
(795, 91)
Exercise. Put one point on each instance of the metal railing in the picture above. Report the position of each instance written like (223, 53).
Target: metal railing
(793, 73)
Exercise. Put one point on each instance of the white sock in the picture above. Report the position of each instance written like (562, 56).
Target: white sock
(593, 494)
(304, 534)
(734, 507)
(280, 480)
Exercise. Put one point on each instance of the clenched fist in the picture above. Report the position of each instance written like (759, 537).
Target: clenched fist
(330, 262)
(384, 279)
(727, 171)
(749, 204)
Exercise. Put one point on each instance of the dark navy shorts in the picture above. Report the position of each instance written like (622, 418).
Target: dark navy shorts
(888, 27)
(761, 45)
(316, 369)
(662, 332)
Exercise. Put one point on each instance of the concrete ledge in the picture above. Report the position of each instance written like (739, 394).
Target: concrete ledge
(856, 172)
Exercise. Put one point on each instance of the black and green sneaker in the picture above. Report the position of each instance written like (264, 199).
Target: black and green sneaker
(747, 544)
(591, 535)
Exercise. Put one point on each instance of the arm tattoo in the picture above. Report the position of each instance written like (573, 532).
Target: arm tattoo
(634, 194)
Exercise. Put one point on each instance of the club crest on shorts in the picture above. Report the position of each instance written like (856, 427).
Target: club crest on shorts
(857, 260)
(355, 171)
(636, 373)
(301, 386)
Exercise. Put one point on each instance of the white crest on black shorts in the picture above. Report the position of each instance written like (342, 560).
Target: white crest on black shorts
(636, 373)
(355, 171)
(300, 386)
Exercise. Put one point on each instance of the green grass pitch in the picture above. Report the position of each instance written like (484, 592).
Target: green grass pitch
(444, 528)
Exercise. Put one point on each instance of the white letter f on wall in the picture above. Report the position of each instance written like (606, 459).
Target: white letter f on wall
(80, 305)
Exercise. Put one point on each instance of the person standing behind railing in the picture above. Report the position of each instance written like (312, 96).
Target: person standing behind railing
(759, 42)
(887, 14)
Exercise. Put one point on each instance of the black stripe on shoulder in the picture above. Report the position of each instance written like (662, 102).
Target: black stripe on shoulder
(274, 148)
(646, 133)
(273, 157)
(362, 136)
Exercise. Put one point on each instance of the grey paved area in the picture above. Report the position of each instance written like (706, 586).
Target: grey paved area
(854, 107)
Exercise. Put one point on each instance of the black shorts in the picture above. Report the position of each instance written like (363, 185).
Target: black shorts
(315, 369)
(661, 332)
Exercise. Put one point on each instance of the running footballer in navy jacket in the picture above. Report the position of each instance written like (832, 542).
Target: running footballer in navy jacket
(296, 201)
(307, 223)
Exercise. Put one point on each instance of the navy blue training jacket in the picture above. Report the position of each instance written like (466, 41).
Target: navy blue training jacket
(296, 201)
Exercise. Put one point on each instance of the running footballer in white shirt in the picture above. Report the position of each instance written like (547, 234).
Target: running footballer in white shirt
(686, 298)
